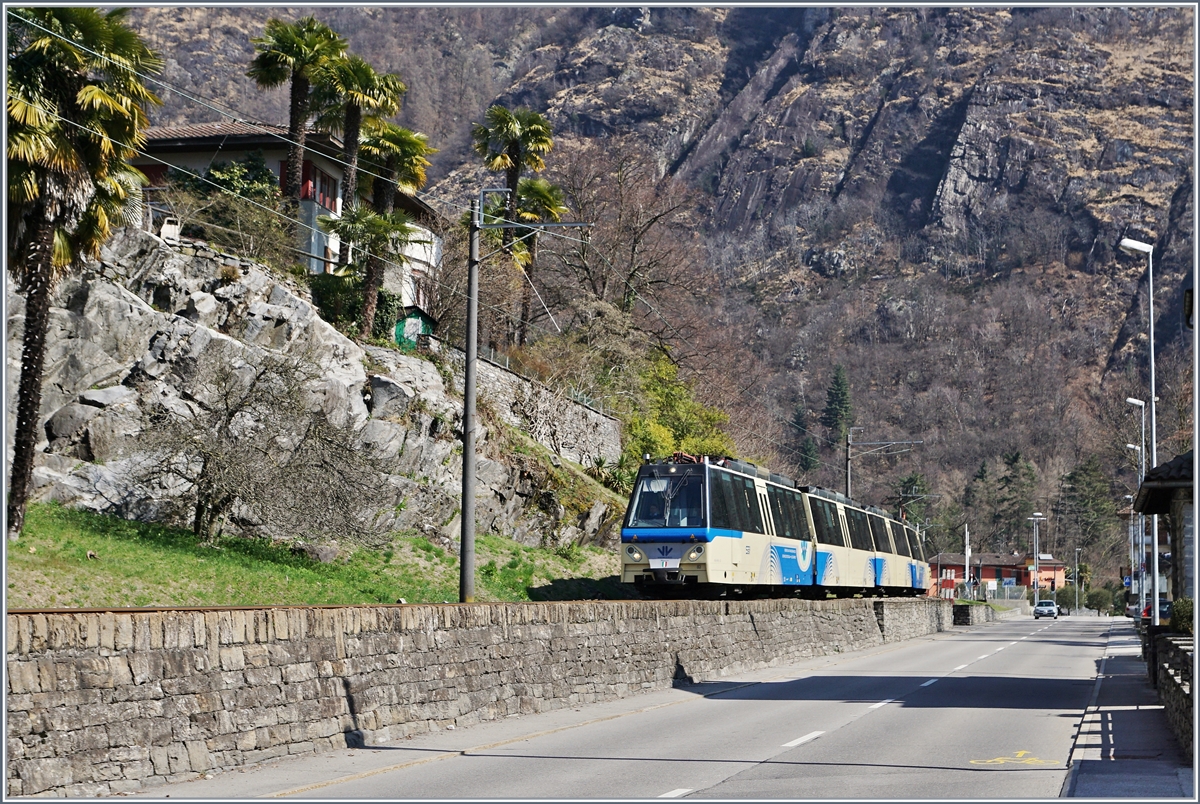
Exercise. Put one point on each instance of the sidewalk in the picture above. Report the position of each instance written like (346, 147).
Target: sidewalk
(1125, 748)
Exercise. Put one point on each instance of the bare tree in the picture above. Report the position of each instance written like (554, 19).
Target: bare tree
(643, 255)
(250, 444)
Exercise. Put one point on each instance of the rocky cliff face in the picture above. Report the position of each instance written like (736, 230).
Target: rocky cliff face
(142, 325)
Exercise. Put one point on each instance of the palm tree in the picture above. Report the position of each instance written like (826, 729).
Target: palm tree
(346, 88)
(397, 157)
(75, 118)
(511, 141)
(379, 238)
(538, 201)
(289, 52)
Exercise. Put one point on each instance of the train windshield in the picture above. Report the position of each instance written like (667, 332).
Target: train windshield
(668, 500)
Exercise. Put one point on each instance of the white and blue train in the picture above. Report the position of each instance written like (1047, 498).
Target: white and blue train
(703, 526)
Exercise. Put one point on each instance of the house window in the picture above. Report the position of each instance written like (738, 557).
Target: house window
(319, 186)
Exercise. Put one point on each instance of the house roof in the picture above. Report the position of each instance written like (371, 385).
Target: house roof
(238, 134)
(1162, 483)
(251, 135)
(994, 560)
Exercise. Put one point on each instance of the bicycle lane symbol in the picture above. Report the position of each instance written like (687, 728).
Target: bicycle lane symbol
(1021, 758)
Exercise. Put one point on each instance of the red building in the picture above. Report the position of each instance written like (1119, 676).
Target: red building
(994, 570)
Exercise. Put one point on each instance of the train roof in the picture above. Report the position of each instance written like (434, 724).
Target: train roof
(753, 470)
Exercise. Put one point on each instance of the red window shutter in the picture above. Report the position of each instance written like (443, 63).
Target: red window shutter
(306, 181)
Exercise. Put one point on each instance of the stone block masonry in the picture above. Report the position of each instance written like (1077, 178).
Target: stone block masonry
(106, 702)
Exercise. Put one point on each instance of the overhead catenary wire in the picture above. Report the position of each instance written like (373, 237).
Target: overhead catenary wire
(272, 131)
(268, 209)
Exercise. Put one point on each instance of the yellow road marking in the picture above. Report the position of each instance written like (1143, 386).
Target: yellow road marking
(1021, 758)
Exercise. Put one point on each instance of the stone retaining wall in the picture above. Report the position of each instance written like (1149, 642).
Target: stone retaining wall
(1175, 658)
(108, 702)
(570, 428)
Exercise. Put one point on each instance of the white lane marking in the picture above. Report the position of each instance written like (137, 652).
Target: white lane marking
(1002, 647)
(960, 667)
(676, 793)
(984, 656)
(884, 702)
(1010, 644)
(812, 735)
(930, 681)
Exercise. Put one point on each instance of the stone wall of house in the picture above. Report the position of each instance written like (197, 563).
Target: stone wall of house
(107, 702)
(569, 428)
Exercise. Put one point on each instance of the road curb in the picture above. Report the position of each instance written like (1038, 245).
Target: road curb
(1069, 783)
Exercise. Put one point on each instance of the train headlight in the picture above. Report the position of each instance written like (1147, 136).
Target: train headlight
(695, 553)
(635, 555)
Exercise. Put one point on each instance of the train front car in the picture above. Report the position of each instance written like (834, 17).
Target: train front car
(665, 536)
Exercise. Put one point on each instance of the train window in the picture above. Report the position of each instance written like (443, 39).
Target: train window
(883, 542)
(749, 500)
(799, 511)
(794, 514)
(860, 531)
(825, 519)
(782, 510)
(719, 496)
(684, 502)
(666, 502)
(915, 543)
(900, 539)
(733, 500)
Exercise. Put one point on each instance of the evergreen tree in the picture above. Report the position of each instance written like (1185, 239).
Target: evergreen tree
(839, 412)
(809, 457)
(1088, 507)
(1014, 499)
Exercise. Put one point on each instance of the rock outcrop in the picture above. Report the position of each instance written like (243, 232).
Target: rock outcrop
(145, 324)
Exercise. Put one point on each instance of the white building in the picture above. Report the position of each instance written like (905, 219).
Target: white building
(195, 148)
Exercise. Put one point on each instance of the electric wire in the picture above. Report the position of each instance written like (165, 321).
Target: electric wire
(230, 113)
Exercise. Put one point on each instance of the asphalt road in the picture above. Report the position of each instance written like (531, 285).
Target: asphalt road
(989, 712)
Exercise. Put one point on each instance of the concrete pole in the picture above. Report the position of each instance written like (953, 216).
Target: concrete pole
(1153, 443)
(1037, 577)
(967, 555)
(466, 567)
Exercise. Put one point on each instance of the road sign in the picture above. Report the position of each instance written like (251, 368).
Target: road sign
(1128, 581)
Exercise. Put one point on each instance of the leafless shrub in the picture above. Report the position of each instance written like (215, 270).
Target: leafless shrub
(250, 444)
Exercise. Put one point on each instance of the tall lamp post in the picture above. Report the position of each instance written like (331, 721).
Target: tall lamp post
(1133, 555)
(1141, 539)
(1076, 579)
(1037, 579)
(1141, 543)
(1138, 247)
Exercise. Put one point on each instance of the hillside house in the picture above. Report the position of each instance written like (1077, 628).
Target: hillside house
(195, 148)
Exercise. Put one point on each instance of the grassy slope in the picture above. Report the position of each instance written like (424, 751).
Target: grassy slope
(140, 564)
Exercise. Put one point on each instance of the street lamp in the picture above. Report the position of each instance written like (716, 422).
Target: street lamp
(1141, 540)
(1077, 579)
(1138, 247)
(1037, 579)
(1135, 563)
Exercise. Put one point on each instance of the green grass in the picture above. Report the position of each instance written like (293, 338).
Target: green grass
(139, 564)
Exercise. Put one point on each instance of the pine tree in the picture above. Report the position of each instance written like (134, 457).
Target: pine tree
(809, 458)
(839, 412)
(1014, 498)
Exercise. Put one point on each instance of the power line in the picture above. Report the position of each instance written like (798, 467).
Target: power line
(230, 113)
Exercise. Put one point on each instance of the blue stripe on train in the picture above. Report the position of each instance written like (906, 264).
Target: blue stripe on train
(794, 570)
(678, 534)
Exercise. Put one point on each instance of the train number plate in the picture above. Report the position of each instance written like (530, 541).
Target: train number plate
(664, 563)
